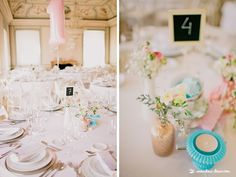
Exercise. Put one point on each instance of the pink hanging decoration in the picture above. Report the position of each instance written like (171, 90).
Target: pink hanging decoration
(57, 22)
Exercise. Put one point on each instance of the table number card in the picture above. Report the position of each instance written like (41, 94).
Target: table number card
(69, 91)
(187, 25)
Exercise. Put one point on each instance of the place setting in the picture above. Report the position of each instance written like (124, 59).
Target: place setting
(11, 135)
(30, 159)
(100, 161)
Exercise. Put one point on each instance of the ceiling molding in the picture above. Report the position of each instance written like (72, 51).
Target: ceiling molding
(84, 9)
(6, 11)
(112, 22)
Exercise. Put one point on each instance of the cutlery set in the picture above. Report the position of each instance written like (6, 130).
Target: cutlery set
(51, 171)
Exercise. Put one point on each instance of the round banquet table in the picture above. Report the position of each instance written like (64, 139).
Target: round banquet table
(137, 158)
(73, 151)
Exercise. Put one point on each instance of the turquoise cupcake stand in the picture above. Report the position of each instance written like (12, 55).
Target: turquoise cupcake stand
(205, 160)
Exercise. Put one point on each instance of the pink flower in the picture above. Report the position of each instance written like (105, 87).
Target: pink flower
(230, 57)
(158, 55)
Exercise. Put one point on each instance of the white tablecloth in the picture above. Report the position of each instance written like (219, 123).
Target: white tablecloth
(73, 151)
(137, 158)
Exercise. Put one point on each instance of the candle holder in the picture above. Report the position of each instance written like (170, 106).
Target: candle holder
(206, 148)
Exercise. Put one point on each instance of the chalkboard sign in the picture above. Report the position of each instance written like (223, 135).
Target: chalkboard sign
(69, 91)
(187, 25)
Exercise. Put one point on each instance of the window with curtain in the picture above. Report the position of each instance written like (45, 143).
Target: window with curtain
(28, 50)
(93, 48)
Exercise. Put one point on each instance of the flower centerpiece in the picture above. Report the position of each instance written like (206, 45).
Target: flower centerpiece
(146, 62)
(228, 71)
(88, 114)
(171, 106)
(228, 67)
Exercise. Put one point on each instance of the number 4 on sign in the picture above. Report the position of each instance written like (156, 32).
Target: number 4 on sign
(189, 27)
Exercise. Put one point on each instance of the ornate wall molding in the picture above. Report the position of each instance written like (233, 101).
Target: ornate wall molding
(5, 9)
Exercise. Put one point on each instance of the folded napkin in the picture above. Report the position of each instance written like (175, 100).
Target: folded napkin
(30, 151)
(108, 162)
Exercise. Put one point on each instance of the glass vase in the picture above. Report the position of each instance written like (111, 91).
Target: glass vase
(163, 137)
(148, 89)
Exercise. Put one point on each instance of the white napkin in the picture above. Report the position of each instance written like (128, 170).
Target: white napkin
(28, 152)
(107, 161)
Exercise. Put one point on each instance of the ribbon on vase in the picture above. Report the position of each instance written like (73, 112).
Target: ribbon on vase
(215, 110)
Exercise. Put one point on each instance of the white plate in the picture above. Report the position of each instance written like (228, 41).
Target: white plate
(91, 167)
(13, 136)
(35, 158)
(54, 108)
(8, 131)
(99, 147)
(37, 163)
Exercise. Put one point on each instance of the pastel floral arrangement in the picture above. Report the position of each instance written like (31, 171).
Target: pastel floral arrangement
(86, 110)
(229, 100)
(173, 104)
(146, 62)
(228, 67)
(228, 71)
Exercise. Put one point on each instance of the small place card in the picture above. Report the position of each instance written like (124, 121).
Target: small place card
(187, 25)
(69, 91)
(206, 143)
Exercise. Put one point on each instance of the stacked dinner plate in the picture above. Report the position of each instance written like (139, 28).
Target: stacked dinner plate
(29, 160)
(92, 167)
(52, 108)
(8, 135)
